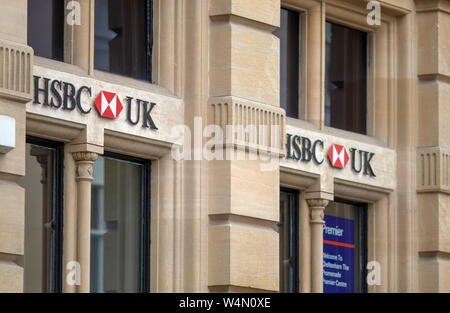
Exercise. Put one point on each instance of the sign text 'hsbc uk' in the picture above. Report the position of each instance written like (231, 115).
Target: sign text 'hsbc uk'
(62, 95)
(303, 149)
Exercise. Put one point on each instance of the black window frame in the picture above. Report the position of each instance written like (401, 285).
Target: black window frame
(57, 211)
(145, 236)
(294, 201)
(148, 45)
(57, 30)
(365, 70)
(294, 53)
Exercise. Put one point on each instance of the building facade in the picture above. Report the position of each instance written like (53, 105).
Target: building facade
(224, 146)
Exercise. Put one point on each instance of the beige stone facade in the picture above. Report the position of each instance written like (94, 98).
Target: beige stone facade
(212, 222)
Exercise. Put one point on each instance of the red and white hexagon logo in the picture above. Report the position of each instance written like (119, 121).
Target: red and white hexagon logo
(108, 104)
(338, 156)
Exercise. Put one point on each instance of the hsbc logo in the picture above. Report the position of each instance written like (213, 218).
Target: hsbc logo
(108, 104)
(303, 149)
(338, 156)
(62, 95)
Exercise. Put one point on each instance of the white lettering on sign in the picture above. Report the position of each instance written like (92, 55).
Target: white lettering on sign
(334, 231)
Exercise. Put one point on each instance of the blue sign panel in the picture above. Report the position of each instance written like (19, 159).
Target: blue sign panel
(338, 255)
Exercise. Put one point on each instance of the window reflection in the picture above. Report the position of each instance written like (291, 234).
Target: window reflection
(345, 78)
(123, 37)
(46, 28)
(39, 222)
(116, 226)
(288, 235)
(289, 35)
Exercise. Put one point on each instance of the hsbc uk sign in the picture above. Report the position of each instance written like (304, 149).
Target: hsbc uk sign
(303, 149)
(63, 95)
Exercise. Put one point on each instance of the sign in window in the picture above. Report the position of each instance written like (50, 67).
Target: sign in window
(344, 248)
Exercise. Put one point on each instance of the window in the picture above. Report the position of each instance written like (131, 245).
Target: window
(120, 231)
(345, 78)
(288, 230)
(345, 247)
(289, 35)
(42, 259)
(46, 28)
(123, 37)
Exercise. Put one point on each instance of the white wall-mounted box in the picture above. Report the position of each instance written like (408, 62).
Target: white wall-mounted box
(7, 133)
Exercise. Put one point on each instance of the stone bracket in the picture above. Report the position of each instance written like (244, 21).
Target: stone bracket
(235, 113)
(433, 169)
(16, 70)
(322, 188)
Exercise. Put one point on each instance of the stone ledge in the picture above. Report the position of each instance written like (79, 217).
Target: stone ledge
(432, 6)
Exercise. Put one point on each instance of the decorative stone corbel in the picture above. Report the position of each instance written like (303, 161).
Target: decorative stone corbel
(84, 161)
(317, 209)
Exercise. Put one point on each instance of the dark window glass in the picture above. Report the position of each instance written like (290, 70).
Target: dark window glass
(289, 33)
(345, 248)
(120, 225)
(289, 246)
(42, 258)
(345, 78)
(46, 28)
(123, 37)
